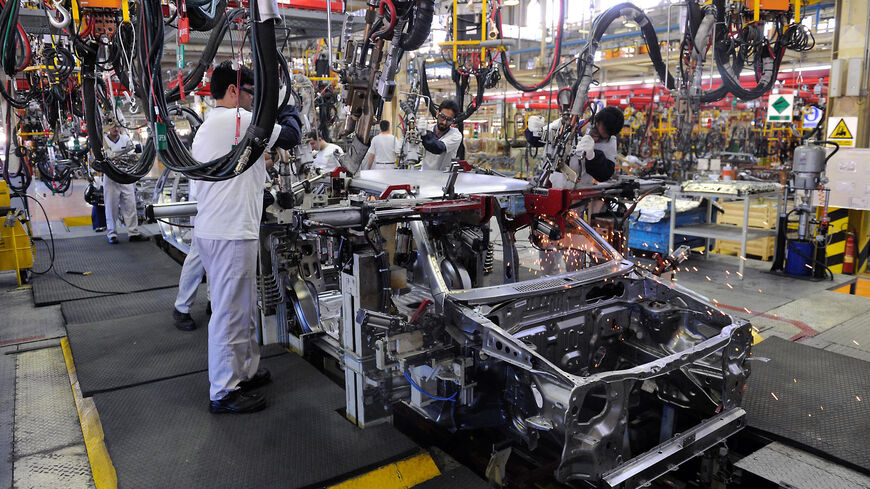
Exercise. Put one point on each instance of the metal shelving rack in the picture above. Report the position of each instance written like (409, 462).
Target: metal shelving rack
(710, 230)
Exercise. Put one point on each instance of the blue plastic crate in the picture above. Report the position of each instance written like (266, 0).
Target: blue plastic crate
(654, 236)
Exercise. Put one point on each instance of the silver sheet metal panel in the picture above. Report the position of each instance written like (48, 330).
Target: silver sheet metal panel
(431, 183)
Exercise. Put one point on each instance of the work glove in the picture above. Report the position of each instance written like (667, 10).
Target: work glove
(586, 147)
(536, 125)
(432, 143)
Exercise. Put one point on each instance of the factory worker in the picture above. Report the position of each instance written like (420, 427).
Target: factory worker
(382, 150)
(442, 142)
(595, 154)
(191, 276)
(326, 154)
(226, 233)
(593, 160)
(120, 198)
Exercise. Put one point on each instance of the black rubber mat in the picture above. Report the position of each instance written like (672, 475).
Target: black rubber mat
(459, 478)
(813, 398)
(122, 352)
(126, 305)
(161, 435)
(124, 267)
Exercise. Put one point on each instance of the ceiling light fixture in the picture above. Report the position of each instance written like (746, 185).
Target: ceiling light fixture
(510, 3)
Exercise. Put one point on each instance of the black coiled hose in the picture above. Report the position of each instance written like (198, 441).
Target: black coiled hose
(420, 26)
(176, 156)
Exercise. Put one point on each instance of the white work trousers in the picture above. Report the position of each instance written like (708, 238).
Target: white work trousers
(233, 350)
(120, 200)
(191, 277)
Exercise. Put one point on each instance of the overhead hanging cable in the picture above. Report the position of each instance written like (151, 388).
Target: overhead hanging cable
(505, 59)
(172, 151)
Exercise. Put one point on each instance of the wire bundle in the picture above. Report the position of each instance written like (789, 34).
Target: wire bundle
(176, 156)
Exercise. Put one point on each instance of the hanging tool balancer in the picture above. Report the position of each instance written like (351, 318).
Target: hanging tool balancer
(369, 66)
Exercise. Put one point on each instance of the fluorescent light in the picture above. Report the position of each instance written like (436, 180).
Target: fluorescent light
(511, 3)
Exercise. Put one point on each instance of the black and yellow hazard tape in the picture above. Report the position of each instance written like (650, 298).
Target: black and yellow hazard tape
(101, 464)
(836, 249)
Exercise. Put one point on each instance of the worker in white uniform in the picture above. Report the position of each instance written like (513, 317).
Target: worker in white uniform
(120, 198)
(593, 160)
(383, 150)
(226, 233)
(326, 154)
(191, 276)
(443, 141)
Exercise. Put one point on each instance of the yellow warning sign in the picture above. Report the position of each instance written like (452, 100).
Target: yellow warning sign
(843, 132)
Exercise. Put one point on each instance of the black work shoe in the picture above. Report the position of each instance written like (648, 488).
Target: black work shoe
(237, 402)
(261, 378)
(183, 321)
(139, 237)
(113, 240)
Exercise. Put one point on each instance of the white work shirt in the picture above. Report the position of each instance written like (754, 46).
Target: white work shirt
(117, 147)
(229, 209)
(384, 147)
(575, 163)
(441, 162)
(327, 158)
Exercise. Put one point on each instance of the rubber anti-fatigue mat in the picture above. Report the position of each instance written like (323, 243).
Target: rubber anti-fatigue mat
(161, 435)
(126, 305)
(459, 478)
(129, 351)
(816, 399)
(123, 267)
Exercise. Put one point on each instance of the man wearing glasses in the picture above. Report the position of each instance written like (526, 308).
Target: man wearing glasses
(442, 142)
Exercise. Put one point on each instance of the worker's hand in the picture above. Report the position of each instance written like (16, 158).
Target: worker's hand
(586, 147)
(269, 161)
(536, 125)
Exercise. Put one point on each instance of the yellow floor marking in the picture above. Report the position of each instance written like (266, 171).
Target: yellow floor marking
(403, 474)
(77, 221)
(101, 464)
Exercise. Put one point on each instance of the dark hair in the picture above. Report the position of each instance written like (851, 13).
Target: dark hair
(449, 104)
(385, 125)
(224, 75)
(612, 119)
(312, 135)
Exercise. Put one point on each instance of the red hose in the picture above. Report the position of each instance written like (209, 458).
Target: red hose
(393, 18)
(27, 49)
(553, 65)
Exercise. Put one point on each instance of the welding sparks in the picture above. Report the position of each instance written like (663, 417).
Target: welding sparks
(708, 278)
(795, 381)
(695, 268)
(760, 292)
(856, 343)
(858, 397)
(747, 310)
(729, 285)
(740, 274)
(774, 396)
